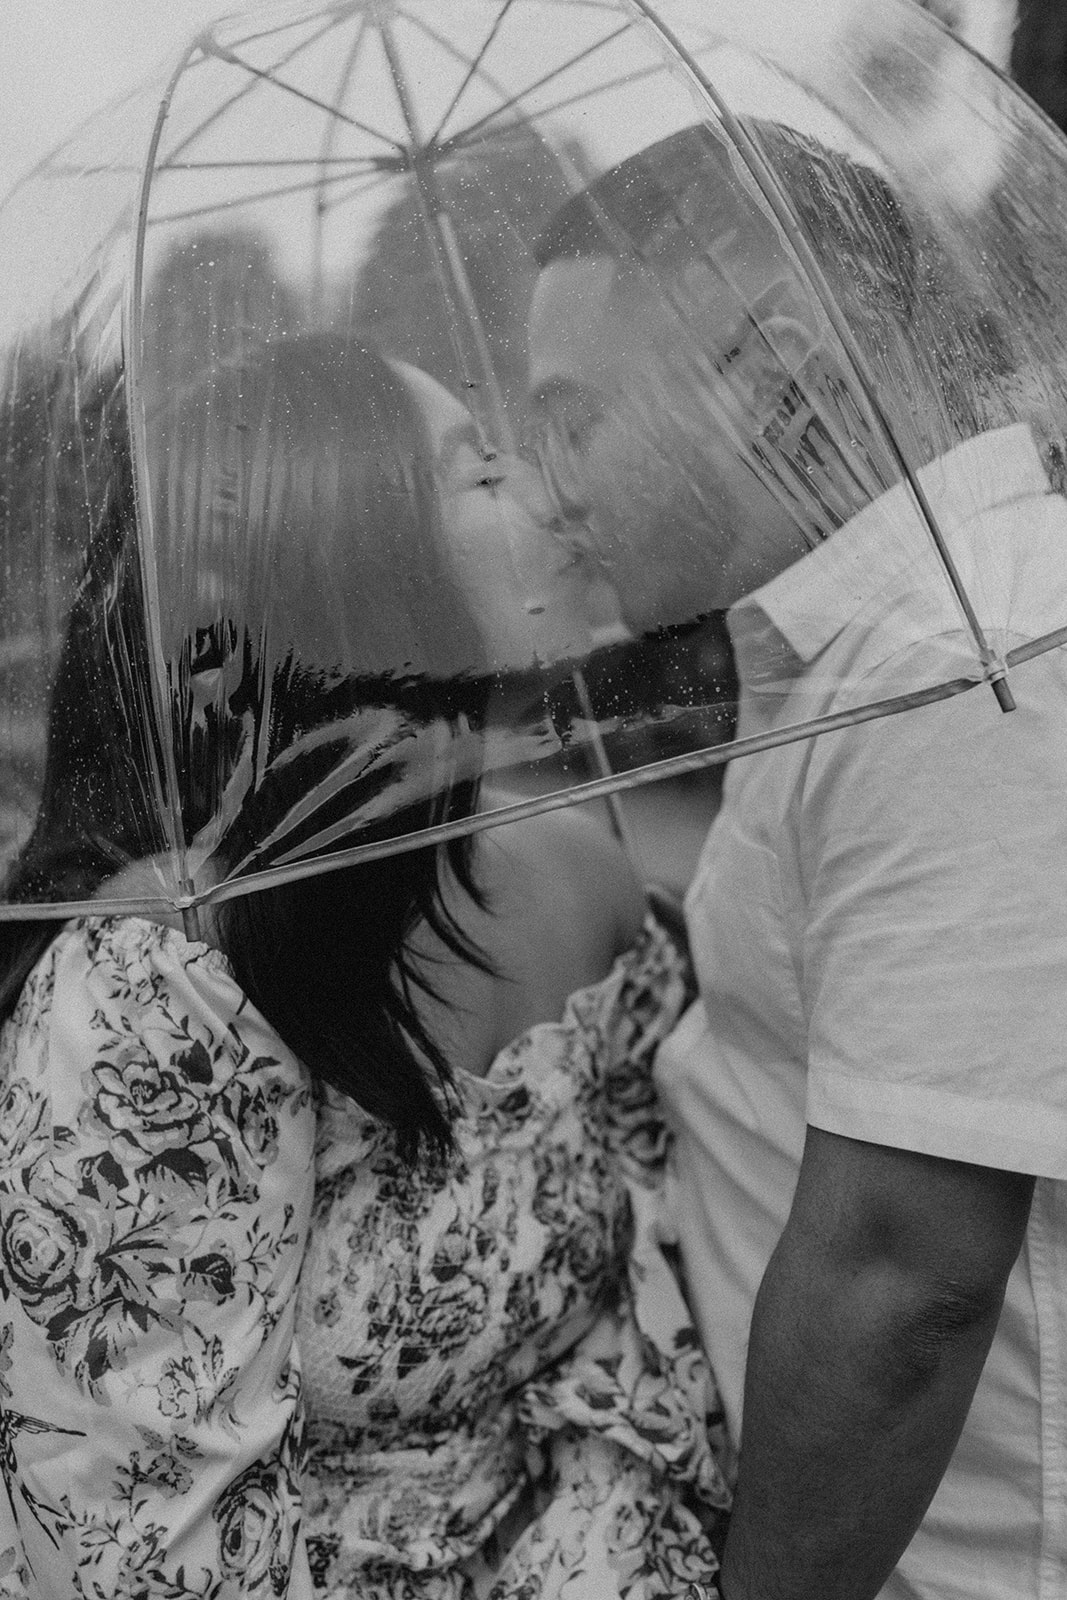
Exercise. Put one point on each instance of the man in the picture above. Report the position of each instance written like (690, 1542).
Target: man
(870, 1105)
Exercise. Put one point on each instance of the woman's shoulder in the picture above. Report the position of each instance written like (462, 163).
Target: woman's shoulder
(126, 1010)
(116, 959)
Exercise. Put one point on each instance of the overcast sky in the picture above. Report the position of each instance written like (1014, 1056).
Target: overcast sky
(60, 60)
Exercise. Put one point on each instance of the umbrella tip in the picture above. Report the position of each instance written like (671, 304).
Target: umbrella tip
(999, 684)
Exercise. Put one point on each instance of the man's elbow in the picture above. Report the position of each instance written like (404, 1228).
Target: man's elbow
(927, 1322)
(906, 1256)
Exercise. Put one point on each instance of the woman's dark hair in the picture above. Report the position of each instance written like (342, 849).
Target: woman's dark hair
(328, 959)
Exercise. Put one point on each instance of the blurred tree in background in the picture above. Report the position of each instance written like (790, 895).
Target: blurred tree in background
(208, 297)
(1039, 55)
(498, 194)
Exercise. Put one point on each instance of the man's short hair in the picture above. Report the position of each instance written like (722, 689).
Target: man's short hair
(669, 204)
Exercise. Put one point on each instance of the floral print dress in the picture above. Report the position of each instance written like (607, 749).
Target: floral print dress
(244, 1350)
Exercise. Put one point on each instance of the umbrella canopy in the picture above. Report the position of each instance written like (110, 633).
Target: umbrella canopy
(395, 395)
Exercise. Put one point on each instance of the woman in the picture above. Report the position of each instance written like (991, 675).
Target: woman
(328, 1243)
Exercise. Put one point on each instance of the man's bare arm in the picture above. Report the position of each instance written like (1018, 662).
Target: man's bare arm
(868, 1337)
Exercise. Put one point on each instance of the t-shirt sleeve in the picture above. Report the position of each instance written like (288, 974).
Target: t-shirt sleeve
(155, 1187)
(933, 895)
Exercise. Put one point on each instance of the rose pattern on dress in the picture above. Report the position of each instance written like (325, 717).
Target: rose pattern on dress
(151, 1108)
(141, 1268)
(258, 1515)
(502, 1385)
(257, 1530)
(528, 1239)
(23, 1119)
(47, 1251)
(181, 1124)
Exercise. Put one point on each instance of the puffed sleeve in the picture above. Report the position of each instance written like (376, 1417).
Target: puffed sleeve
(156, 1144)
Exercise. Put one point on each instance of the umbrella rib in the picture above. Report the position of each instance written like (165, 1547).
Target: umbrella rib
(445, 44)
(41, 167)
(341, 196)
(302, 94)
(351, 62)
(282, 27)
(619, 782)
(422, 26)
(459, 140)
(673, 766)
(274, 193)
(538, 83)
(456, 141)
(352, 162)
(473, 68)
(240, 94)
(1037, 647)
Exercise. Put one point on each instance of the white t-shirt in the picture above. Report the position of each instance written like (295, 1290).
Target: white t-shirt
(879, 925)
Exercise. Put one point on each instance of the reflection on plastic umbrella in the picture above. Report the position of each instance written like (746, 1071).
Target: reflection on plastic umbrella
(245, 309)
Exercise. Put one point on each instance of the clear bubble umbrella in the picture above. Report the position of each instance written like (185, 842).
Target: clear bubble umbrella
(318, 516)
